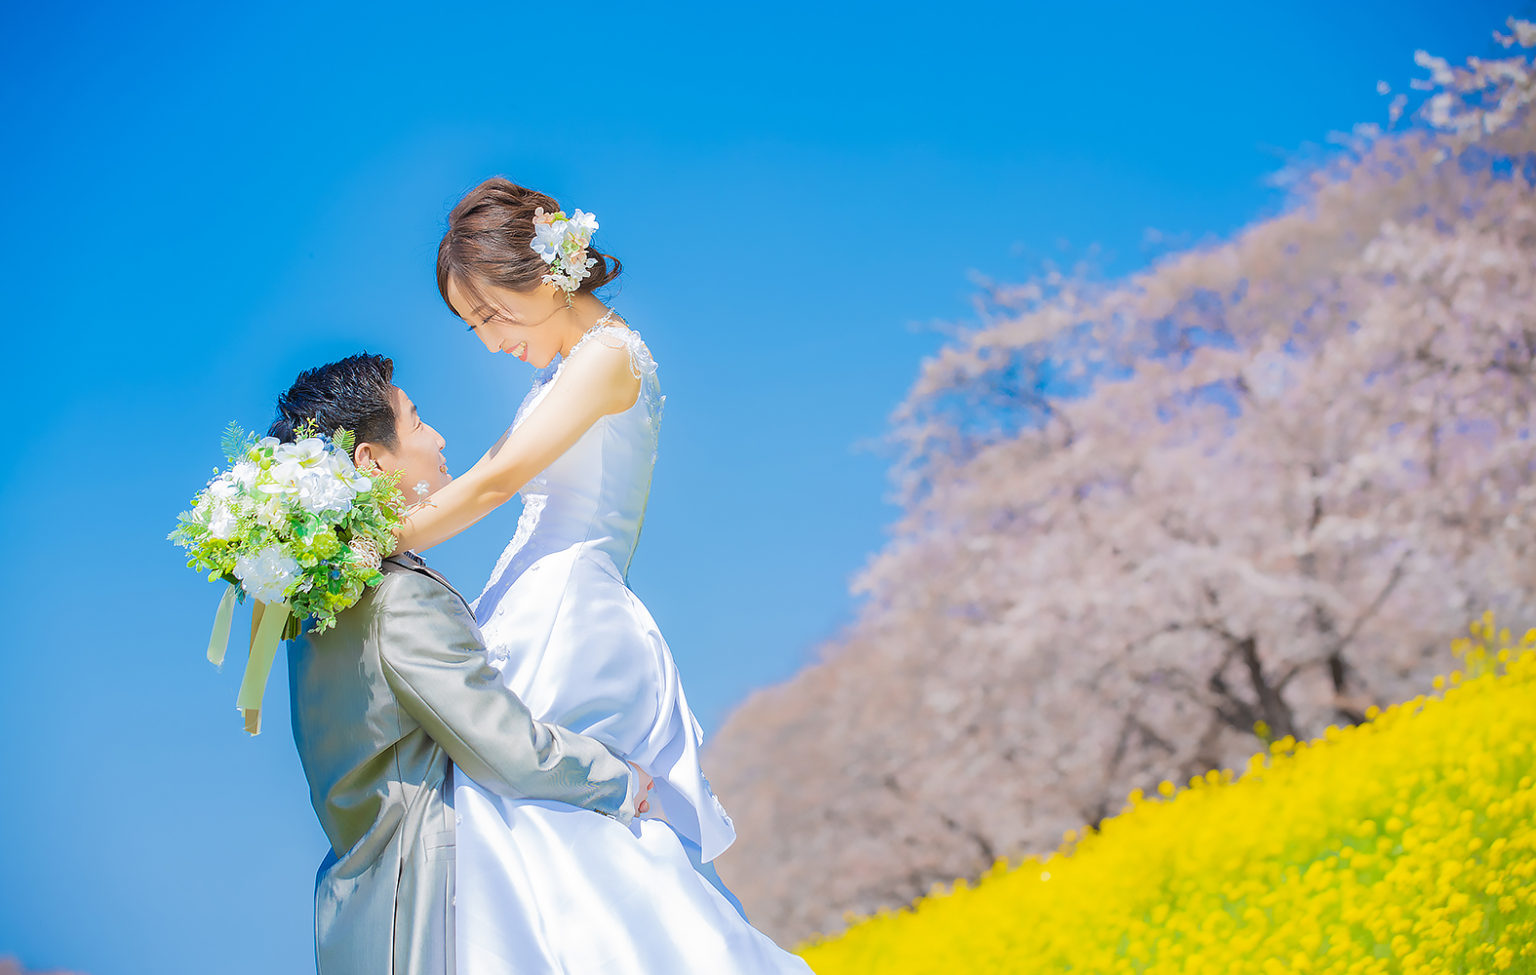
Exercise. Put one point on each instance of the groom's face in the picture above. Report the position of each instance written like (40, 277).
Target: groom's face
(417, 454)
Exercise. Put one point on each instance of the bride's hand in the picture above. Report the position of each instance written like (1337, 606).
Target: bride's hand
(647, 783)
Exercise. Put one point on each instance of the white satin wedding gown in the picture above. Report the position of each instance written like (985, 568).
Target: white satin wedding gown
(544, 887)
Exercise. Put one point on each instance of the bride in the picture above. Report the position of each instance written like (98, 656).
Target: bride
(542, 886)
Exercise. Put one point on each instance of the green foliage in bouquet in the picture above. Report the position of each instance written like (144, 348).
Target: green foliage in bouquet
(293, 523)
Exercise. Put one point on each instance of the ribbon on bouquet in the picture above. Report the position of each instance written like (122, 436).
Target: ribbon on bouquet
(219, 641)
(268, 625)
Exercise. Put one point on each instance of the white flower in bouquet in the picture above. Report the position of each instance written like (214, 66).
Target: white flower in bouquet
(291, 460)
(340, 465)
(244, 473)
(322, 490)
(272, 510)
(224, 487)
(223, 522)
(267, 573)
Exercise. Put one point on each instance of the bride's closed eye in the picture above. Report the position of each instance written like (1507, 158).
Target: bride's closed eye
(496, 316)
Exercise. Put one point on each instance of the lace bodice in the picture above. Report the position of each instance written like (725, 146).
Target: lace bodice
(595, 493)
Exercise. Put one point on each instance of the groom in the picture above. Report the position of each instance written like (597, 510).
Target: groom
(390, 700)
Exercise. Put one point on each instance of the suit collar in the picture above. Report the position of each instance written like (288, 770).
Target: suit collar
(414, 562)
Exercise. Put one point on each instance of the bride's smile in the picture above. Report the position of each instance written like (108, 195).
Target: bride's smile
(535, 325)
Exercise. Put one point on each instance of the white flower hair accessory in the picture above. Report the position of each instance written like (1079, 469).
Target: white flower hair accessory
(562, 242)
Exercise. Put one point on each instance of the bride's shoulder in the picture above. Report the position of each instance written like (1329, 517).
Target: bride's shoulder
(619, 339)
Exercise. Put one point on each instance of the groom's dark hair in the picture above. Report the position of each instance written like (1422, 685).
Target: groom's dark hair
(355, 393)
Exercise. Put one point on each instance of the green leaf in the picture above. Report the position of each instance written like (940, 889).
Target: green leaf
(236, 441)
(345, 440)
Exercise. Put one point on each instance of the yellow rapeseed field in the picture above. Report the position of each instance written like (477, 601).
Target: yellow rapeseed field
(1404, 845)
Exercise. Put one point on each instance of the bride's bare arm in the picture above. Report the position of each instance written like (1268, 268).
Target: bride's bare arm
(591, 385)
(495, 448)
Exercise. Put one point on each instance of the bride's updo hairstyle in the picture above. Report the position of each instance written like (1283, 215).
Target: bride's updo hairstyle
(489, 240)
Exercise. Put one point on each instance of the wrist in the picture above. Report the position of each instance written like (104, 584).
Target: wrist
(627, 809)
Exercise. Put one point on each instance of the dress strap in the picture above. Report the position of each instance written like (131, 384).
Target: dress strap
(640, 361)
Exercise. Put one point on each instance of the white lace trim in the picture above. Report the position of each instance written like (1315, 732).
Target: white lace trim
(642, 365)
(641, 362)
(527, 522)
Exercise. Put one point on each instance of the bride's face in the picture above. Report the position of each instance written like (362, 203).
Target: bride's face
(524, 324)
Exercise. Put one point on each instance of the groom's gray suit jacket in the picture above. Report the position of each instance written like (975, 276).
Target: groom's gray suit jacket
(381, 704)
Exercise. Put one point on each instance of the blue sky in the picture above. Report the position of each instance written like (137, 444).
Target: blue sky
(201, 200)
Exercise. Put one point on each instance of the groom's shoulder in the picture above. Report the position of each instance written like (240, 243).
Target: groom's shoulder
(410, 607)
(402, 585)
(402, 579)
(404, 582)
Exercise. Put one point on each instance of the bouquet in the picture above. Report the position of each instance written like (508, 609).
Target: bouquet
(294, 526)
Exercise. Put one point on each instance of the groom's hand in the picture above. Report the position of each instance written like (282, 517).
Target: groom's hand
(646, 783)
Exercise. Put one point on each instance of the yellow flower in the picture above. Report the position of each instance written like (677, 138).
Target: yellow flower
(1406, 844)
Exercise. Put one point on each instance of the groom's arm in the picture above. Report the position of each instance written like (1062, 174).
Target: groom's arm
(435, 663)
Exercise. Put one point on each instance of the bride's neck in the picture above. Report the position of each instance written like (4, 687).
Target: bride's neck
(586, 309)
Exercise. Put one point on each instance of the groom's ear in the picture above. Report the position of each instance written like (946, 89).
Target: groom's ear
(365, 455)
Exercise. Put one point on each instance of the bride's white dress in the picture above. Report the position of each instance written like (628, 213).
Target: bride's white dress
(544, 887)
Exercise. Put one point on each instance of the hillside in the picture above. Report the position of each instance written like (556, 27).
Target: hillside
(1405, 844)
(1249, 492)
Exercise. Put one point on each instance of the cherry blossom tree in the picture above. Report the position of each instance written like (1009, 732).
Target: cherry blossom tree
(1248, 493)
